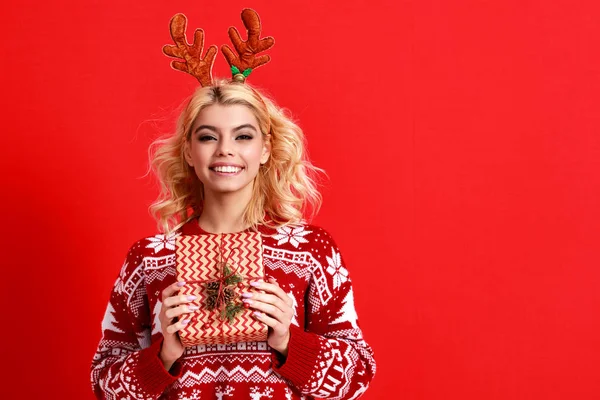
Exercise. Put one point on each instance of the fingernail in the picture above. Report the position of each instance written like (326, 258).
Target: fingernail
(193, 308)
(257, 314)
(185, 321)
(180, 284)
(247, 301)
(192, 297)
(255, 284)
(246, 294)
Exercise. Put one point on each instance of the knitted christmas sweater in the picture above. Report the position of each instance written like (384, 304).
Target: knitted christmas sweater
(327, 355)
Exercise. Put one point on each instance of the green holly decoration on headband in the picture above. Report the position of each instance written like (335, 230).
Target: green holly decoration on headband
(240, 76)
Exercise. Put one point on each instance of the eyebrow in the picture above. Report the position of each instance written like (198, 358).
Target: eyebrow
(214, 129)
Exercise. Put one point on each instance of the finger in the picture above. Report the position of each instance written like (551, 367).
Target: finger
(271, 288)
(177, 300)
(271, 310)
(267, 299)
(234, 35)
(271, 322)
(178, 326)
(272, 280)
(179, 310)
(171, 289)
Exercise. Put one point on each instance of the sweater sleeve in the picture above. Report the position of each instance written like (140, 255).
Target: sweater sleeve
(126, 363)
(329, 358)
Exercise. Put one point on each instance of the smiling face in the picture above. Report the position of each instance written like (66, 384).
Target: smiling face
(226, 149)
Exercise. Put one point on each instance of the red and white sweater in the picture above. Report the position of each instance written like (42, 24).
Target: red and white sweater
(327, 355)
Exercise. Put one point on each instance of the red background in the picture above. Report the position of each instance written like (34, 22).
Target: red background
(461, 141)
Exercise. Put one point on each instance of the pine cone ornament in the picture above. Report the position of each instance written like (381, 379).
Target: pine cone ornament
(213, 286)
(221, 295)
(211, 302)
(228, 295)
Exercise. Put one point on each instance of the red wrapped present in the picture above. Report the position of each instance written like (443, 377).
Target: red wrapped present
(217, 268)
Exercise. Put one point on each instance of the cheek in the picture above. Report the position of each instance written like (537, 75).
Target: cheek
(199, 155)
(254, 157)
(251, 154)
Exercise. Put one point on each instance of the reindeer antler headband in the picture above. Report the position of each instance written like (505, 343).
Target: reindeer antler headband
(242, 63)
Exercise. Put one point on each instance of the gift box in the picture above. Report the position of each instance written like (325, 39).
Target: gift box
(217, 269)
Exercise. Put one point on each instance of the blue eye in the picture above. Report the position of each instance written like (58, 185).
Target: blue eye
(206, 138)
(244, 137)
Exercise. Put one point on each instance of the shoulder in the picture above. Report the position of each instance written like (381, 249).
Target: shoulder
(301, 236)
(157, 245)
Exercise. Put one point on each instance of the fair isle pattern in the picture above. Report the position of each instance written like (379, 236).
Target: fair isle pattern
(160, 274)
(197, 259)
(328, 356)
(253, 358)
(130, 283)
(136, 301)
(323, 362)
(225, 391)
(347, 311)
(302, 264)
(195, 394)
(290, 262)
(336, 381)
(229, 348)
(292, 234)
(119, 286)
(336, 269)
(157, 263)
(157, 268)
(123, 384)
(238, 374)
(160, 242)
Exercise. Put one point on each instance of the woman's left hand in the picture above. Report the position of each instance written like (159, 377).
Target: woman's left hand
(275, 309)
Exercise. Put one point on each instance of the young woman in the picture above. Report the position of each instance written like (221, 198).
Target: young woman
(235, 163)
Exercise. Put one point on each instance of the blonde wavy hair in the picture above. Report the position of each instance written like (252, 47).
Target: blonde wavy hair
(285, 188)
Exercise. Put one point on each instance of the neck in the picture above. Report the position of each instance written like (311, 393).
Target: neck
(224, 212)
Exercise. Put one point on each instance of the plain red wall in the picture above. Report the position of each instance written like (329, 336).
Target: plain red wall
(461, 141)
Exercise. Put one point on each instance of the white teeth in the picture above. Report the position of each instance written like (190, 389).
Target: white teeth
(227, 168)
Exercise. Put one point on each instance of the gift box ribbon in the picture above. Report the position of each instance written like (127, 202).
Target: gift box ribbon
(222, 279)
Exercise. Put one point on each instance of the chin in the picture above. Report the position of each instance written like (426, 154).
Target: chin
(226, 189)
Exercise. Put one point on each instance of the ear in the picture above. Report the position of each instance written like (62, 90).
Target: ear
(188, 154)
(266, 152)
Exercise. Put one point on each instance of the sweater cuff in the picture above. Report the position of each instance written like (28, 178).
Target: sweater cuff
(303, 352)
(151, 372)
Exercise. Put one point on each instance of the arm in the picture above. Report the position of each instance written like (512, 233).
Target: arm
(126, 364)
(328, 359)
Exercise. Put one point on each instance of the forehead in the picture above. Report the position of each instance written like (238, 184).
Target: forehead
(226, 117)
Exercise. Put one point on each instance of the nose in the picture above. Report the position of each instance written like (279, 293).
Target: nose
(225, 148)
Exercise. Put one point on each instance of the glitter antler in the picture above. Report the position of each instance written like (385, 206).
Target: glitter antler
(194, 64)
(246, 59)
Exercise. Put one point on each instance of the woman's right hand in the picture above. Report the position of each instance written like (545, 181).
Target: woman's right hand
(173, 305)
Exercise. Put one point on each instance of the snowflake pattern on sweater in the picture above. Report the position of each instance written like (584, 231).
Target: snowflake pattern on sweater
(327, 355)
